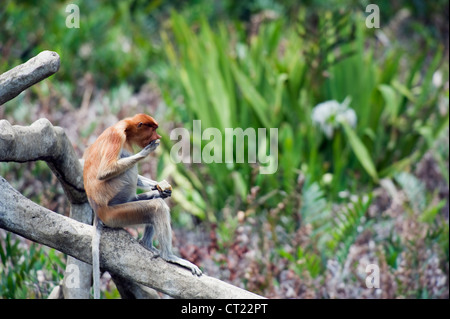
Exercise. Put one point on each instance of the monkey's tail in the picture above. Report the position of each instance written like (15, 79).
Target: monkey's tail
(96, 257)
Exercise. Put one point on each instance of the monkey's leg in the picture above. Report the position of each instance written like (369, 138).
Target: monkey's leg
(131, 213)
(164, 235)
(147, 240)
(154, 212)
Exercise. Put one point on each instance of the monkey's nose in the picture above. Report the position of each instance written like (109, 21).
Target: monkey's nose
(158, 136)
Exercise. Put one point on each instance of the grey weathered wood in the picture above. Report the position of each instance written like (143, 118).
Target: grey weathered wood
(120, 254)
(25, 75)
(128, 261)
(43, 141)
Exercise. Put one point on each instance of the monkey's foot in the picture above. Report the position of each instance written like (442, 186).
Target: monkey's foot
(156, 252)
(183, 263)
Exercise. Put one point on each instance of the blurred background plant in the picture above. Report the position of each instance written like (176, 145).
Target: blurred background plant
(370, 188)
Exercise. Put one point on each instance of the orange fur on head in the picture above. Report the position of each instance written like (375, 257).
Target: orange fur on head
(141, 129)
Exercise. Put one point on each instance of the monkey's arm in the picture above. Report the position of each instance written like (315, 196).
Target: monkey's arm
(153, 194)
(156, 192)
(146, 183)
(108, 170)
(164, 188)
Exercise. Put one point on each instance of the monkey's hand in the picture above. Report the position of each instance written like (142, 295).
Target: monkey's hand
(151, 147)
(164, 188)
(166, 193)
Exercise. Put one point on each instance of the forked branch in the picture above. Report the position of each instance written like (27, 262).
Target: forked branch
(121, 254)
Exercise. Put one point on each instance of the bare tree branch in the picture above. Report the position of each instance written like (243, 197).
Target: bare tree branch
(120, 254)
(130, 264)
(130, 290)
(18, 147)
(42, 141)
(25, 75)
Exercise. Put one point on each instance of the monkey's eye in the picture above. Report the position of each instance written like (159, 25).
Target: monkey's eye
(140, 124)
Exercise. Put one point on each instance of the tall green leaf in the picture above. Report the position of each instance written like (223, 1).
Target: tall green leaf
(253, 97)
(360, 151)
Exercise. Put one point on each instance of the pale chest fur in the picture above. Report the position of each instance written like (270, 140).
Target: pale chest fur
(126, 183)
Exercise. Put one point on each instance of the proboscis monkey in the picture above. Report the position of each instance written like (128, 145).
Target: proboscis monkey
(110, 180)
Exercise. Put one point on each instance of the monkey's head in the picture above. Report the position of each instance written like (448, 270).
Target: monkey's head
(141, 129)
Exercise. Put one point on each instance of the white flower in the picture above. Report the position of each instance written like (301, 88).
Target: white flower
(330, 114)
(437, 78)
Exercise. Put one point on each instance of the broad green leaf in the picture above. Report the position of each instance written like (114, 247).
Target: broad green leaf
(240, 185)
(403, 90)
(279, 93)
(253, 97)
(392, 100)
(361, 152)
(430, 213)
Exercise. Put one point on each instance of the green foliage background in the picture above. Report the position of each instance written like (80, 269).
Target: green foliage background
(373, 193)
